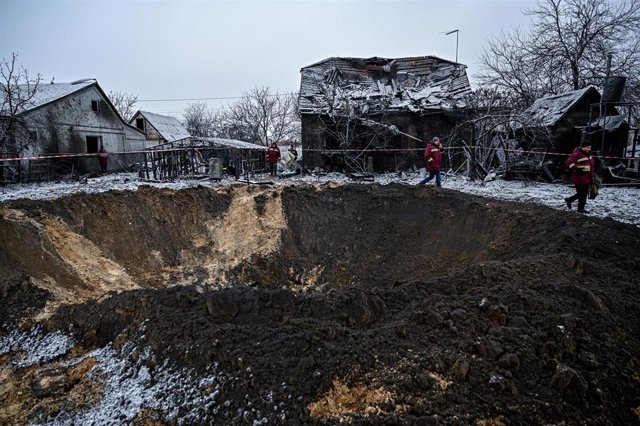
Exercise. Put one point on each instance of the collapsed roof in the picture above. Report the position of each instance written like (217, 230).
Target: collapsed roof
(413, 84)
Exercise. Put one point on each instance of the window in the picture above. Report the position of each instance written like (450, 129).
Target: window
(33, 135)
(94, 106)
(93, 142)
(140, 123)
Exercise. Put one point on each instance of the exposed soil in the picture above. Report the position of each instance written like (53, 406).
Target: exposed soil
(365, 304)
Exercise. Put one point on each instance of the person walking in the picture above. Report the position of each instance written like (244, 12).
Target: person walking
(103, 159)
(433, 160)
(581, 167)
(273, 155)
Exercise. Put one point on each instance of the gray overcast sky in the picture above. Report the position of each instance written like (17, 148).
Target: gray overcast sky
(203, 49)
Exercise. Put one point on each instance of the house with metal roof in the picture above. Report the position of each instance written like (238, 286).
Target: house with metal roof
(159, 128)
(74, 119)
(381, 103)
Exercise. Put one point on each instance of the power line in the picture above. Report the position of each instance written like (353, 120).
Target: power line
(209, 99)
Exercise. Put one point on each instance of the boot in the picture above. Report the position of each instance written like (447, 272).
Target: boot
(568, 201)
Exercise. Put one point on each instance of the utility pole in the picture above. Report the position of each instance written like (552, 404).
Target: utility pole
(457, 32)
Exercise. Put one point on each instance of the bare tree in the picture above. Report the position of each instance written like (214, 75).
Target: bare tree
(510, 66)
(17, 90)
(566, 48)
(262, 117)
(125, 103)
(199, 119)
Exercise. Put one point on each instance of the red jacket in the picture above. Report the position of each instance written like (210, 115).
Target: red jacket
(102, 157)
(581, 165)
(433, 156)
(273, 154)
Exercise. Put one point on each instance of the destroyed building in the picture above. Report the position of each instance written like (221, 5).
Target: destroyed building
(377, 111)
(70, 118)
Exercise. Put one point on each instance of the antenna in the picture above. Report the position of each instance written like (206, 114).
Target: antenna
(457, 32)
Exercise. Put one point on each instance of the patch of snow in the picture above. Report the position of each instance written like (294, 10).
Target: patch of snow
(495, 378)
(130, 387)
(617, 203)
(134, 380)
(37, 347)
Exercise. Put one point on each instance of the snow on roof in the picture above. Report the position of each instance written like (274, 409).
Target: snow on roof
(202, 142)
(549, 110)
(234, 143)
(46, 93)
(170, 128)
(402, 84)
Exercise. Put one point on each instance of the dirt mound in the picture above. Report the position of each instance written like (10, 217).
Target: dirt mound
(303, 304)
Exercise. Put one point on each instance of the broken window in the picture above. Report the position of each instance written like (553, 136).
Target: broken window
(140, 123)
(94, 105)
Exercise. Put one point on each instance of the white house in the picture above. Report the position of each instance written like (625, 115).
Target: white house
(77, 118)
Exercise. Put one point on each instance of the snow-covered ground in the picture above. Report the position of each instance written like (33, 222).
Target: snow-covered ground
(621, 204)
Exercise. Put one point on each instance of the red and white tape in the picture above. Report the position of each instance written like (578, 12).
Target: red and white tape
(332, 151)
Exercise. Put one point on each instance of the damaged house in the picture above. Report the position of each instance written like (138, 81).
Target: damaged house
(558, 124)
(376, 113)
(159, 129)
(74, 119)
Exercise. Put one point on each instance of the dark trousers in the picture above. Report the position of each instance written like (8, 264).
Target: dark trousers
(431, 176)
(273, 168)
(582, 190)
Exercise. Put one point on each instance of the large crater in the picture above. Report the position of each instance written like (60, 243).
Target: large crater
(317, 304)
(300, 237)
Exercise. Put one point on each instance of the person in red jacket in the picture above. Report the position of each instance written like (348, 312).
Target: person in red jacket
(273, 155)
(103, 158)
(433, 160)
(581, 167)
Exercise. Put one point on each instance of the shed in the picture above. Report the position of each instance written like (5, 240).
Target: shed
(565, 116)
